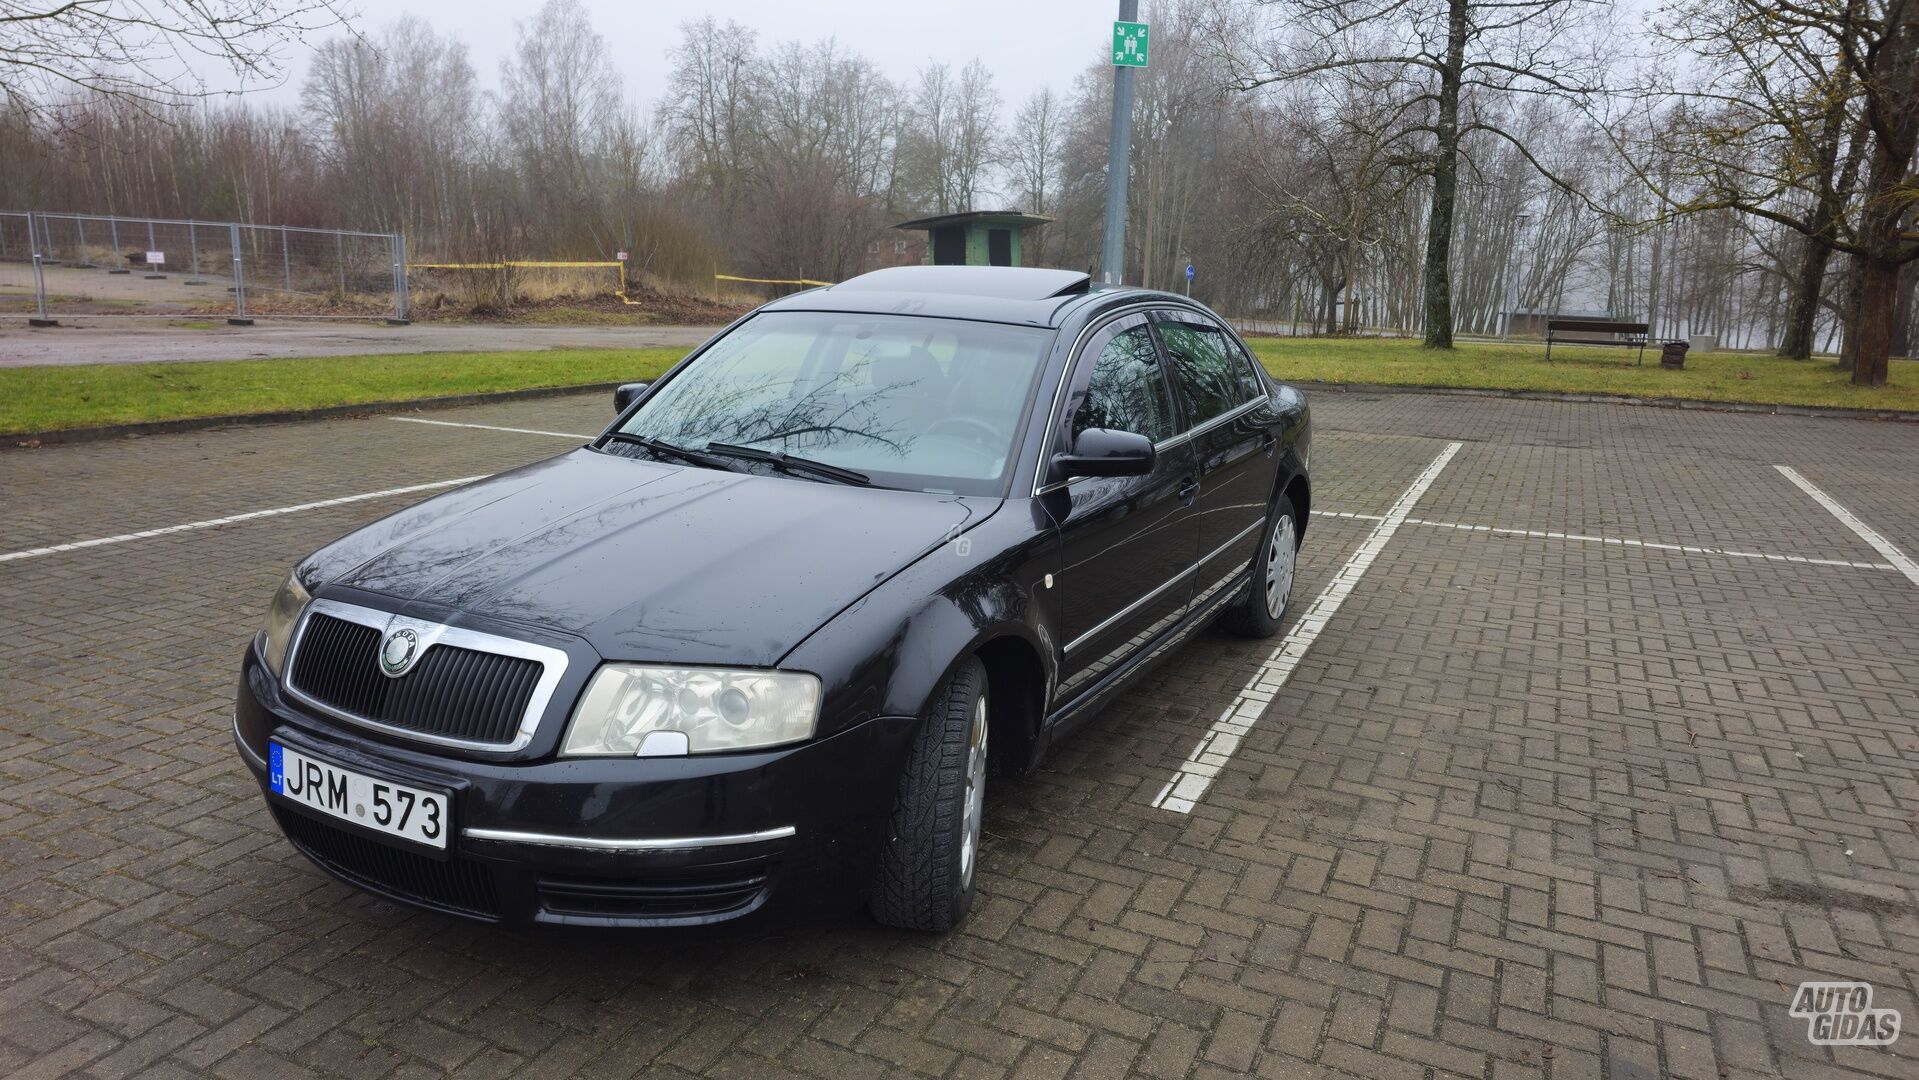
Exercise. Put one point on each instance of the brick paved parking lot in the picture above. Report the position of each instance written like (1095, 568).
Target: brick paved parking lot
(1613, 743)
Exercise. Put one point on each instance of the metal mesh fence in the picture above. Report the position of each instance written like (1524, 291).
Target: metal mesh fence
(96, 266)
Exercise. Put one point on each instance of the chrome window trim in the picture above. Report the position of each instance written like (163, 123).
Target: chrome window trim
(597, 843)
(1169, 583)
(552, 667)
(1065, 380)
(1167, 444)
(1231, 414)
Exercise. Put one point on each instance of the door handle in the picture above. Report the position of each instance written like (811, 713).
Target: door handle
(1188, 490)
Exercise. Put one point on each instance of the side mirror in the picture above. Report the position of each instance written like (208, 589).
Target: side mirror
(627, 393)
(1106, 452)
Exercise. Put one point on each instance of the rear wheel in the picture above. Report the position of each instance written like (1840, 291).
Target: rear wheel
(1261, 611)
(929, 859)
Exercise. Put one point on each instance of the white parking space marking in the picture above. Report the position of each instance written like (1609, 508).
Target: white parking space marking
(1585, 538)
(1883, 546)
(1222, 740)
(1899, 560)
(231, 519)
(1543, 534)
(491, 427)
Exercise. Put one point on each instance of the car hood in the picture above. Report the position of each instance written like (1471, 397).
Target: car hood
(648, 561)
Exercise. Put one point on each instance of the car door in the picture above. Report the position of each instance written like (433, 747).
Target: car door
(1225, 404)
(1127, 543)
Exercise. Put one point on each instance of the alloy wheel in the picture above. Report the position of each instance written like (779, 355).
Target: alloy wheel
(972, 810)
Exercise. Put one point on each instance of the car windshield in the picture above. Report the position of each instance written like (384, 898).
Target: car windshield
(917, 403)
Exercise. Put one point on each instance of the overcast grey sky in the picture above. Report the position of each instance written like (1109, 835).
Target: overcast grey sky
(1027, 43)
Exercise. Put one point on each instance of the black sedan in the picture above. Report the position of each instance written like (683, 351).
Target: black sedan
(770, 632)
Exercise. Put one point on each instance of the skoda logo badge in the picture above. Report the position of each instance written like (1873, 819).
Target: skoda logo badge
(396, 655)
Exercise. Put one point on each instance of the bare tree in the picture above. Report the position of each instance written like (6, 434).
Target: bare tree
(559, 106)
(976, 140)
(705, 112)
(396, 122)
(947, 140)
(1816, 131)
(144, 51)
(1032, 152)
(1766, 115)
(1449, 62)
(823, 121)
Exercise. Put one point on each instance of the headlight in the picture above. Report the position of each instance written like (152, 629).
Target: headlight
(285, 612)
(700, 710)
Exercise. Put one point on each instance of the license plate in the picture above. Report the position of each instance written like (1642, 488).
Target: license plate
(397, 810)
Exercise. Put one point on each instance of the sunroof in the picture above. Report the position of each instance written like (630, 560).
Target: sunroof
(999, 282)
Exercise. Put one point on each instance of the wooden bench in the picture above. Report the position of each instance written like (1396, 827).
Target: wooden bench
(1629, 335)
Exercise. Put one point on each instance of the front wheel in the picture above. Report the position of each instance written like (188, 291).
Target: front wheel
(1260, 612)
(929, 859)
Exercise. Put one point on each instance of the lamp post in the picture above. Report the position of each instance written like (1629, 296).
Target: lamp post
(1112, 259)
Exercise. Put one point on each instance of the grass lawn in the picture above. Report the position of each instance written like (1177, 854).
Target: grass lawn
(1718, 376)
(54, 397)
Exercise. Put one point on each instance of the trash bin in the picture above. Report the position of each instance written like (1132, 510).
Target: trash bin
(1672, 354)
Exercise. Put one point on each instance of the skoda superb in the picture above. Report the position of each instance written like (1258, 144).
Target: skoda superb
(770, 633)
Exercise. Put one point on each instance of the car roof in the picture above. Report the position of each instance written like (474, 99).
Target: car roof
(1020, 295)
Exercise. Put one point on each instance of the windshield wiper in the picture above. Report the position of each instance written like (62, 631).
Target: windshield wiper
(662, 448)
(789, 463)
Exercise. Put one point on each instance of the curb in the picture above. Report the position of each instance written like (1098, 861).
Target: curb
(15, 440)
(204, 423)
(1829, 412)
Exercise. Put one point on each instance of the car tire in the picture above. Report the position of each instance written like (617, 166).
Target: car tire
(1261, 610)
(929, 857)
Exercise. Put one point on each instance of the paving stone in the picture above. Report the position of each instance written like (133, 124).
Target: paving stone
(1530, 805)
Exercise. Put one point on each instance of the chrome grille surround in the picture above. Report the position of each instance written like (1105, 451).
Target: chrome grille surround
(552, 661)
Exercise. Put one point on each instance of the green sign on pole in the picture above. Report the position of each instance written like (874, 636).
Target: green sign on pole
(1129, 44)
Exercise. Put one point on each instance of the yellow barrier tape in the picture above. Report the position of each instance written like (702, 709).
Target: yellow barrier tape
(770, 281)
(504, 265)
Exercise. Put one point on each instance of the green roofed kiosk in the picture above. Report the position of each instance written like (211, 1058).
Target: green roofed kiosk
(976, 237)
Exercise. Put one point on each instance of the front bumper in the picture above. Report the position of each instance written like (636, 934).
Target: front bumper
(598, 841)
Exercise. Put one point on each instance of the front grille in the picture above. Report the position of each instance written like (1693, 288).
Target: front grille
(457, 885)
(705, 893)
(453, 692)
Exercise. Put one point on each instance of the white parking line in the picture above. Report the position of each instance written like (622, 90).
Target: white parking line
(1222, 740)
(1585, 538)
(490, 427)
(1543, 534)
(233, 518)
(1899, 560)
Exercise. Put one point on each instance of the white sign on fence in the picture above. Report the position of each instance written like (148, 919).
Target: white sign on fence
(155, 258)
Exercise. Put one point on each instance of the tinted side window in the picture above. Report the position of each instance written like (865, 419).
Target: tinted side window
(1127, 391)
(1211, 376)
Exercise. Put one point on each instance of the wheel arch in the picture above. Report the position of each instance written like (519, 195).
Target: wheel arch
(1299, 489)
(1016, 700)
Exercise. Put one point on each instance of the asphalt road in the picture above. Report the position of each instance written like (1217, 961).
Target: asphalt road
(94, 341)
(1594, 734)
